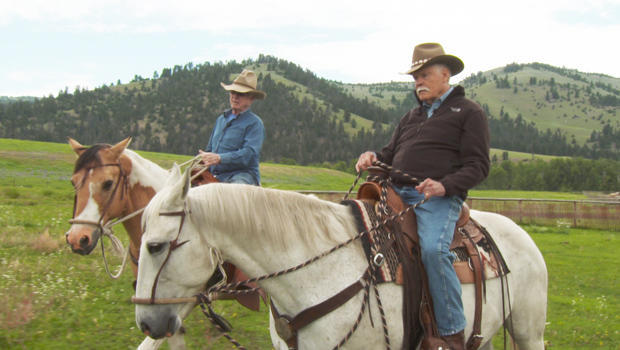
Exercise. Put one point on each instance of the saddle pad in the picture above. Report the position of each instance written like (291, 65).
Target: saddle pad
(366, 218)
(464, 269)
(462, 265)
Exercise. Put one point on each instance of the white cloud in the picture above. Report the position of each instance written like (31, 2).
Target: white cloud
(342, 40)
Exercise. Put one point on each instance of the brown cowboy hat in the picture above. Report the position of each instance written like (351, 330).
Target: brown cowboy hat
(427, 54)
(245, 83)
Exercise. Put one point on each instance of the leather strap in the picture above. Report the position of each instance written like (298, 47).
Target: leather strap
(317, 311)
(134, 260)
(474, 340)
(174, 244)
(122, 177)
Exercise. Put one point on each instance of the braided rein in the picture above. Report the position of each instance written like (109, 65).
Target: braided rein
(205, 299)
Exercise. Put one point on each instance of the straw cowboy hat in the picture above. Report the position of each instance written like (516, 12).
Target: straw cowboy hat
(427, 54)
(245, 83)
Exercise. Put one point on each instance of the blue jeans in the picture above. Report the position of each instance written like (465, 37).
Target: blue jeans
(241, 178)
(436, 221)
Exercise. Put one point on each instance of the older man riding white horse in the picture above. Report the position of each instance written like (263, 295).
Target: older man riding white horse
(188, 232)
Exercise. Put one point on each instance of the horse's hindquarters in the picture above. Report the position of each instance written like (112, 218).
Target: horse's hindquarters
(527, 284)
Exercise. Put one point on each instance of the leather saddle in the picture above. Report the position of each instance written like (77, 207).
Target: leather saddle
(371, 192)
(474, 268)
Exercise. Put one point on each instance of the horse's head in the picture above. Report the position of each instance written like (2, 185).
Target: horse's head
(175, 260)
(100, 182)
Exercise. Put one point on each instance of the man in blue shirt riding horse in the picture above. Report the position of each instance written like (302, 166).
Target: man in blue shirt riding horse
(233, 151)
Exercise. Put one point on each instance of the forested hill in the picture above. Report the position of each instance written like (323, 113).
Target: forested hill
(544, 109)
(308, 119)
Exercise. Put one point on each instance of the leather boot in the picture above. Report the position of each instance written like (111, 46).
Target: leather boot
(455, 341)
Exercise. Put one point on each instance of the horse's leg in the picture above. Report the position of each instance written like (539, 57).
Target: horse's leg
(177, 341)
(487, 346)
(278, 343)
(528, 330)
(529, 311)
(150, 344)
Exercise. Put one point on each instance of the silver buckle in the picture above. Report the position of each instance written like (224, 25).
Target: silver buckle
(378, 260)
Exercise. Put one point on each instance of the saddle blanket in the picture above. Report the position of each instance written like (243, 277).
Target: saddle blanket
(390, 271)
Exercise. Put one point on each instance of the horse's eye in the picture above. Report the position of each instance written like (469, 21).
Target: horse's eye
(154, 248)
(107, 185)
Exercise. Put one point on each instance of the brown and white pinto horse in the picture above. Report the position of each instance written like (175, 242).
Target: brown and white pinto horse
(111, 182)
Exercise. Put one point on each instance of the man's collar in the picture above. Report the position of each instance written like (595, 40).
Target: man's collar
(229, 111)
(430, 108)
(457, 89)
(442, 97)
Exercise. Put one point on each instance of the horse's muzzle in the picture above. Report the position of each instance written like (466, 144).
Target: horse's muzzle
(158, 328)
(85, 243)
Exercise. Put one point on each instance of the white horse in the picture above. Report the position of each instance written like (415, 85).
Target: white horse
(265, 230)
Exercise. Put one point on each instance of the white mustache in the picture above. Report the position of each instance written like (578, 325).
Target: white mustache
(421, 88)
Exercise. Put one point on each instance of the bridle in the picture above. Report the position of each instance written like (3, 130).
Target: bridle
(122, 177)
(202, 298)
(104, 229)
(172, 246)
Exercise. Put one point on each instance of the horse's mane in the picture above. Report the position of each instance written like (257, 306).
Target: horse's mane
(279, 217)
(90, 156)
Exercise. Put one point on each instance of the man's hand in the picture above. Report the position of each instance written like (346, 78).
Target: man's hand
(365, 160)
(431, 188)
(209, 158)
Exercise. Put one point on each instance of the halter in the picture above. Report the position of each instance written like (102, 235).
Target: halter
(106, 228)
(174, 244)
(122, 177)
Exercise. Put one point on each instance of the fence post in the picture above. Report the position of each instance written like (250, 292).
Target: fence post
(574, 213)
(520, 212)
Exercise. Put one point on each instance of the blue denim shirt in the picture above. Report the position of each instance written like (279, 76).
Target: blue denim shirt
(430, 108)
(238, 141)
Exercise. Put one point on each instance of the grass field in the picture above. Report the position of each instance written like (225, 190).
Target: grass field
(51, 298)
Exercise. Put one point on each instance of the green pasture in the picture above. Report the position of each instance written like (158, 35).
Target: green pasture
(518, 156)
(51, 298)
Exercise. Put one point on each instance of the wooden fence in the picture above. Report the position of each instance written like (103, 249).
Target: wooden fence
(602, 215)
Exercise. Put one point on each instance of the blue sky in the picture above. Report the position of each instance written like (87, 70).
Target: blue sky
(48, 46)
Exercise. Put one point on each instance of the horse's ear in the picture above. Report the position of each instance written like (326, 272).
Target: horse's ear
(173, 175)
(120, 147)
(180, 183)
(77, 147)
(187, 182)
